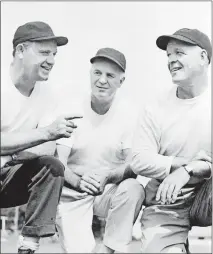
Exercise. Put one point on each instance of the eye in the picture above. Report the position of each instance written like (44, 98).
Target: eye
(179, 52)
(45, 53)
(110, 75)
(98, 73)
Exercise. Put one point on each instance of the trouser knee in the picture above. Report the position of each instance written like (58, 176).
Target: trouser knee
(177, 248)
(133, 190)
(53, 164)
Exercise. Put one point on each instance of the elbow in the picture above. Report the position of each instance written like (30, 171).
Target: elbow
(146, 166)
(139, 165)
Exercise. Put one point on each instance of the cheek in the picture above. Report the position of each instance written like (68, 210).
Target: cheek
(93, 80)
(33, 62)
(115, 85)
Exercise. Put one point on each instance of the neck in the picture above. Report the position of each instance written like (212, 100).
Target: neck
(100, 106)
(193, 89)
(21, 81)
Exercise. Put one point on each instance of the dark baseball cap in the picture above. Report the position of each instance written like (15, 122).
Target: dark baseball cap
(191, 36)
(36, 31)
(113, 55)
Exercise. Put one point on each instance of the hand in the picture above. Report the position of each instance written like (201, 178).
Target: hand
(89, 184)
(102, 177)
(22, 157)
(171, 186)
(62, 127)
(95, 182)
(5, 159)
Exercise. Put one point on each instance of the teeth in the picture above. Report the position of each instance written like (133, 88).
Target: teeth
(176, 69)
(46, 68)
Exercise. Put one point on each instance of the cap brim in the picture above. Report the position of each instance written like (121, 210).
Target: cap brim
(60, 40)
(107, 57)
(163, 40)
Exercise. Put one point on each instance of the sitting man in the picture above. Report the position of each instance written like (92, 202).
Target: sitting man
(29, 175)
(172, 131)
(98, 179)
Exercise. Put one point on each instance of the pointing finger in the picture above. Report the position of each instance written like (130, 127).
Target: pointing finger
(71, 117)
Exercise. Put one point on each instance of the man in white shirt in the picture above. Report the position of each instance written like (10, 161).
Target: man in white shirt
(172, 131)
(29, 174)
(98, 179)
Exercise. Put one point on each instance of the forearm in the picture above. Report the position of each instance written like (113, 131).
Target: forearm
(121, 173)
(71, 178)
(201, 170)
(47, 148)
(16, 141)
(152, 165)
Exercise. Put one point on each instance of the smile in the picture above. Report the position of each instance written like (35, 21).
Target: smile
(46, 68)
(102, 88)
(173, 70)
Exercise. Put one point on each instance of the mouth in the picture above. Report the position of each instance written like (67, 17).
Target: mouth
(46, 68)
(175, 69)
(102, 88)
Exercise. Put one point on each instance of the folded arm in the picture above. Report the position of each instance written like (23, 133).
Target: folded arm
(146, 160)
(173, 183)
(13, 142)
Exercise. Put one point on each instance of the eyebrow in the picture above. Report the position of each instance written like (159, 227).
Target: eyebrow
(176, 49)
(112, 74)
(47, 50)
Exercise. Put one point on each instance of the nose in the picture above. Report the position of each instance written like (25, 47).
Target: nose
(103, 79)
(171, 59)
(51, 59)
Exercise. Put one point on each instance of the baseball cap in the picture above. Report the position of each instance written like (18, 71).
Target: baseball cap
(36, 31)
(113, 55)
(191, 36)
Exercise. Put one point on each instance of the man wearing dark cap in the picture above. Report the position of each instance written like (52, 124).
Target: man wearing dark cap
(29, 174)
(98, 179)
(172, 143)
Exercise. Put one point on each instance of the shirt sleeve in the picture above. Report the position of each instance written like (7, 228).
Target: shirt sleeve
(146, 160)
(66, 141)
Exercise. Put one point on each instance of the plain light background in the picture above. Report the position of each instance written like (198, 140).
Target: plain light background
(131, 27)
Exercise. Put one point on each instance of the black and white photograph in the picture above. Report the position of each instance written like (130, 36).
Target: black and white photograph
(106, 127)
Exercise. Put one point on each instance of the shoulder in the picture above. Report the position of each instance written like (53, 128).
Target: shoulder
(126, 112)
(159, 102)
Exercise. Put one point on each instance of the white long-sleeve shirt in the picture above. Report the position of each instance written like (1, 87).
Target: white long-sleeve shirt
(170, 127)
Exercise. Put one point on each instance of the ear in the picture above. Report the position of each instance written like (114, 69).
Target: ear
(20, 50)
(204, 55)
(122, 80)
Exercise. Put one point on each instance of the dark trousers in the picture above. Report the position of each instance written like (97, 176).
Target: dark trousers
(37, 183)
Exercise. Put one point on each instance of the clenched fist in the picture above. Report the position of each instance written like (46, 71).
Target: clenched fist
(62, 127)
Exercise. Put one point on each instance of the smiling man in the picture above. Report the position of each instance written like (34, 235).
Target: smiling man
(98, 179)
(29, 173)
(172, 142)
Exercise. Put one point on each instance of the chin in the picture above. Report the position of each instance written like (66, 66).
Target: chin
(44, 78)
(177, 80)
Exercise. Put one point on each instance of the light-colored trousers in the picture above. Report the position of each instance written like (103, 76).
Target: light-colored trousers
(119, 205)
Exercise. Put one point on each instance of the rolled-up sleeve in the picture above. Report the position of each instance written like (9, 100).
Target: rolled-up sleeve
(146, 160)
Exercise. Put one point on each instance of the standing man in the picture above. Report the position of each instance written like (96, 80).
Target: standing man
(171, 133)
(28, 173)
(98, 179)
